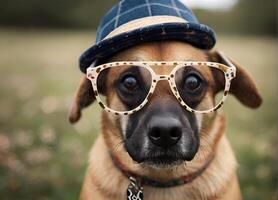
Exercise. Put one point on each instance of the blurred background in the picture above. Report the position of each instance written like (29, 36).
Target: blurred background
(43, 157)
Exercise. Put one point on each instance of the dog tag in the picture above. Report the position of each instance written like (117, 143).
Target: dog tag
(134, 190)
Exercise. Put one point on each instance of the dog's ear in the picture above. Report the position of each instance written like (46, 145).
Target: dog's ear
(83, 98)
(243, 86)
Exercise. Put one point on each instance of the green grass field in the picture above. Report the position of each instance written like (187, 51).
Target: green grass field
(43, 157)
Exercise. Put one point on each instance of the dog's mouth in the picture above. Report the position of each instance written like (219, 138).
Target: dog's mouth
(164, 159)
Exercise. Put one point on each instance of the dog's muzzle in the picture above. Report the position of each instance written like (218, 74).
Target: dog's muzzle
(162, 135)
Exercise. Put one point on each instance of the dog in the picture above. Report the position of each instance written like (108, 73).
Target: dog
(207, 160)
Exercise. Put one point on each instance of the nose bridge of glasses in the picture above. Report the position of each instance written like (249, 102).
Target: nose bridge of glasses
(162, 77)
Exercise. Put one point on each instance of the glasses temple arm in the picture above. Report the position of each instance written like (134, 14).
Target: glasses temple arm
(227, 61)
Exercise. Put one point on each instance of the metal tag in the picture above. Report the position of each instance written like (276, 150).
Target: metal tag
(134, 190)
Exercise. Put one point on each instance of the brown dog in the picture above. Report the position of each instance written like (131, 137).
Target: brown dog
(209, 163)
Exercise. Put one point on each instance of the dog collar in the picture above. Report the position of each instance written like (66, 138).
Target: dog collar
(138, 180)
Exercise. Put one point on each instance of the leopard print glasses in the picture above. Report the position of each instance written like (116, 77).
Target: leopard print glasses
(125, 87)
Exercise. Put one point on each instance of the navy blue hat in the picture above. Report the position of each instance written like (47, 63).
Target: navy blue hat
(131, 22)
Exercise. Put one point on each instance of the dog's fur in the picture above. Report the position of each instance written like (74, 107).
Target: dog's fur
(103, 181)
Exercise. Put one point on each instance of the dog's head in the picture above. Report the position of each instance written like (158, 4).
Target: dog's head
(163, 132)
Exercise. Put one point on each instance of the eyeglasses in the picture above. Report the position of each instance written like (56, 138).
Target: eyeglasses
(131, 84)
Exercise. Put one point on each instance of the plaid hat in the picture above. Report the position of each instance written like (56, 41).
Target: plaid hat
(131, 22)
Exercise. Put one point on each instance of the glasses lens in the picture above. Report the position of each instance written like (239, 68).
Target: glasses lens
(198, 86)
(124, 87)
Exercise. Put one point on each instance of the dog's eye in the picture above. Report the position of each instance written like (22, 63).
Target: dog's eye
(129, 82)
(192, 82)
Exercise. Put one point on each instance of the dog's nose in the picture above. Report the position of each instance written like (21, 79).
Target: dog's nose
(164, 132)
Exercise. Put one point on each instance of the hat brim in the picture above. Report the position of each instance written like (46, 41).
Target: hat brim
(198, 35)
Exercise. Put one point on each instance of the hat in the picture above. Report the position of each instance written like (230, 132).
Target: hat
(131, 22)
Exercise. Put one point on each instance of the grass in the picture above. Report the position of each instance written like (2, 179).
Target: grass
(43, 157)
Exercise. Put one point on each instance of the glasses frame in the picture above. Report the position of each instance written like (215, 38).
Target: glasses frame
(229, 74)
